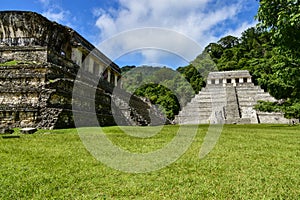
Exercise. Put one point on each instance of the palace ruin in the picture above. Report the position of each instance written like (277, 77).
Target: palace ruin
(39, 61)
(229, 97)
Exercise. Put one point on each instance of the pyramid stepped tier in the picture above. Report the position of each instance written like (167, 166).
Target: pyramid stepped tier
(200, 109)
(229, 97)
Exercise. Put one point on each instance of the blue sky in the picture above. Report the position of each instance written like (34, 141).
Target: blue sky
(202, 21)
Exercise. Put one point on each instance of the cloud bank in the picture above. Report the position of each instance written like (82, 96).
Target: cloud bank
(55, 12)
(198, 19)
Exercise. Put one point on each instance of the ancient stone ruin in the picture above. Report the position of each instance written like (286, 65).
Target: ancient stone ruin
(229, 97)
(39, 61)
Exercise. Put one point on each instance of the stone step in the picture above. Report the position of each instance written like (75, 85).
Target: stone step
(238, 121)
(197, 109)
(210, 96)
(186, 121)
(248, 105)
(249, 90)
(28, 76)
(254, 101)
(257, 94)
(208, 102)
(247, 86)
(199, 114)
(188, 113)
(212, 92)
(253, 95)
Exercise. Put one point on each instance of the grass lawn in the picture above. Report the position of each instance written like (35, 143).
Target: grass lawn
(248, 162)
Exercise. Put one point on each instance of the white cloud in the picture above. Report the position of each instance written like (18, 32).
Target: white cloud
(145, 39)
(55, 15)
(193, 18)
(44, 2)
(55, 12)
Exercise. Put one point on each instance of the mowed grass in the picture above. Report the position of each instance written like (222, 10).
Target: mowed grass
(248, 162)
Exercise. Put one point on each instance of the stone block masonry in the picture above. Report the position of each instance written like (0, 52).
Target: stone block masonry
(228, 97)
(39, 62)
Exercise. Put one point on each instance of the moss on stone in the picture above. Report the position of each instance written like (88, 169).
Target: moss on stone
(15, 62)
(9, 63)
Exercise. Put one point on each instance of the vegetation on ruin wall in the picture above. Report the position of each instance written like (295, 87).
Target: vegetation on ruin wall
(248, 162)
(270, 51)
(14, 62)
(9, 63)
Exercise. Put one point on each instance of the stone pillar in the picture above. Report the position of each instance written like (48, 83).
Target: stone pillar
(209, 81)
(249, 80)
(217, 82)
(120, 83)
(91, 65)
(116, 80)
(108, 75)
(224, 82)
(76, 56)
(241, 80)
(233, 81)
(101, 69)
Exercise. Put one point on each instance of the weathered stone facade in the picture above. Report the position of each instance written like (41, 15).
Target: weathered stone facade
(229, 97)
(39, 62)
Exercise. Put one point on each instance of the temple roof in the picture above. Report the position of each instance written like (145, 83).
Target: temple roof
(229, 74)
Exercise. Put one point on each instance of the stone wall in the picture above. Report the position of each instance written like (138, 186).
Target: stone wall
(28, 54)
(41, 95)
(272, 117)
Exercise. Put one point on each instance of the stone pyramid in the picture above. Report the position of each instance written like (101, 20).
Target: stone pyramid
(229, 97)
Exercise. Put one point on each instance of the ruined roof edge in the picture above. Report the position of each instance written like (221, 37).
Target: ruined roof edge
(72, 33)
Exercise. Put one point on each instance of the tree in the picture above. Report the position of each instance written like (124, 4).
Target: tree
(282, 18)
(127, 68)
(228, 41)
(215, 50)
(162, 96)
(163, 86)
(253, 38)
(192, 75)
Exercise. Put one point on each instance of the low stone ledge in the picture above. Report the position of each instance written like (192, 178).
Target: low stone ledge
(28, 130)
(5, 130)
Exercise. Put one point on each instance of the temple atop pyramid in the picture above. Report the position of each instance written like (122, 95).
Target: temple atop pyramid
(229, 97)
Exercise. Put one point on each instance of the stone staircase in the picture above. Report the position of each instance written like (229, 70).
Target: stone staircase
(204, 108)
(232, 105)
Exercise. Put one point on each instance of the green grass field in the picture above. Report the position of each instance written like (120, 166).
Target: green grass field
(248, 162)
